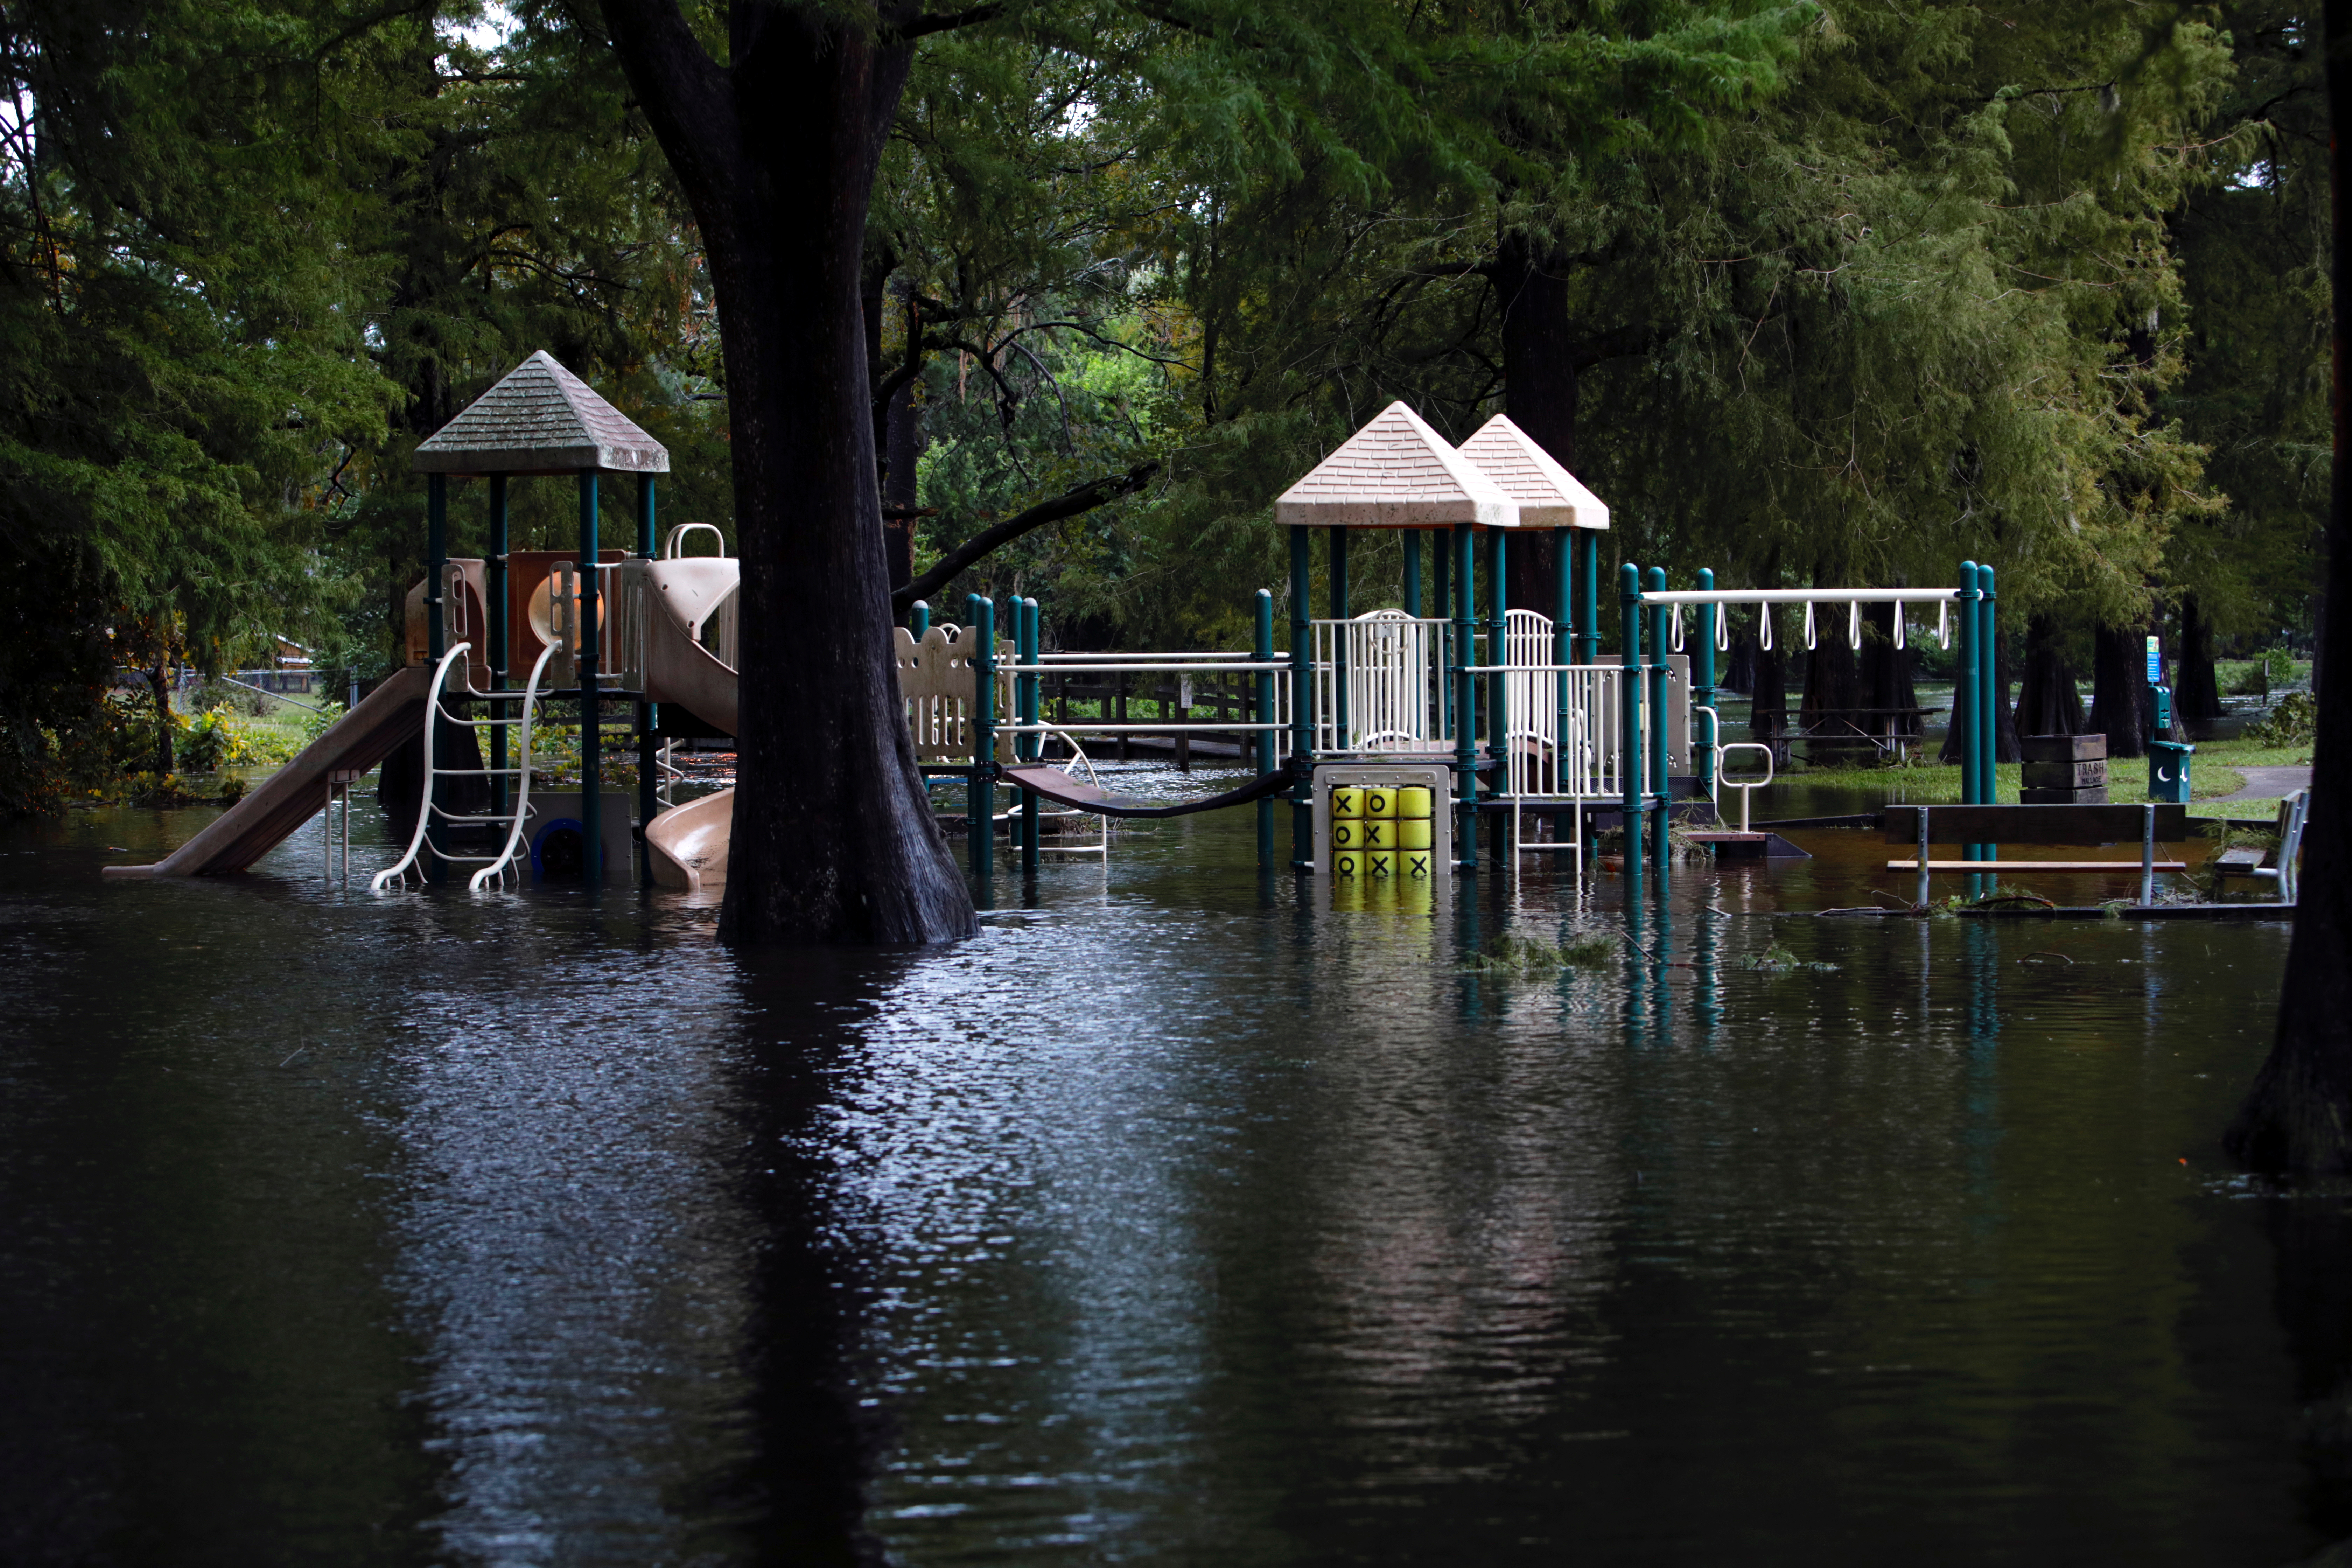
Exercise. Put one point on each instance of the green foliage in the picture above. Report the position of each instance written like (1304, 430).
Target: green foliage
(1511, 953)
(1779, 960)
(2292, 721)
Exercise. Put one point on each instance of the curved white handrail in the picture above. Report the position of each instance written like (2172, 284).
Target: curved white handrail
(1078, 757)
(674, 543)
(399, 868)
(498, 867)
(1746, 786)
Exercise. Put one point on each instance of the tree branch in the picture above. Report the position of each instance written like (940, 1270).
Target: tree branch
(1070, 503)
(1618, 343)
(947, 21)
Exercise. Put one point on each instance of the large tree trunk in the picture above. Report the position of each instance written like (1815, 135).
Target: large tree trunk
(1769, 710)
(2298, 1118)
(2120, 703)
(1544, 357)
(902, 453)
(159, 681)
(2047, 701)
(833, 839)
(1739, 664)
(2005, 748)
(1540, 394)
(1886, 676)
(2199, 697)
(1830, 720)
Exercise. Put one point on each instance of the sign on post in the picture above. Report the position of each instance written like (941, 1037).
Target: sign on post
(2154, 663)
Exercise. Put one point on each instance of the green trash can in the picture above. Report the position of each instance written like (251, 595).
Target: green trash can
(2168, 770)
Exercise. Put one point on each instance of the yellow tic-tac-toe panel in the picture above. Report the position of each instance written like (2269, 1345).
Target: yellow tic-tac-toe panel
(1411, 801)
(1379, 833)
(1379, 800)
(1348, 863)
(1347, 801)
(1346, 834)
(1408, 834)
(1416, 863)
(1380, 862)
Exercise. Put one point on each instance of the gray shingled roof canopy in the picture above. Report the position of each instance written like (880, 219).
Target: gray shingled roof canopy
(542, 419)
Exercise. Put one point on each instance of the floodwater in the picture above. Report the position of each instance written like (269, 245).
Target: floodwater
(1179, 1218)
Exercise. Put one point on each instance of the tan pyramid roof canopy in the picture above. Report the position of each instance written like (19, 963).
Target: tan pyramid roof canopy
(1396, 472)
(542, 419)
(1548, 495)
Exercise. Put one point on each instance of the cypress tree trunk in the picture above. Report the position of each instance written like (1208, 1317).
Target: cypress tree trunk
(902, 452)
(2120, 695)
(1770, 712)
(1539, 393)
(1543, 359)
(1886, 674)
(2298, 1118)
(2047, 702)
(1739, 672)
(159, 681)
(2199, 697)
(2004, 718)
(833, 839)
(1832, 686)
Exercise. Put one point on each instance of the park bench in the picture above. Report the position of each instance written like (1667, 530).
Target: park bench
(2278, 865)
(2150, 823)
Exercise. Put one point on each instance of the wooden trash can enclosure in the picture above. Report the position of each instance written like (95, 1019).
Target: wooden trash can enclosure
(2063, 770)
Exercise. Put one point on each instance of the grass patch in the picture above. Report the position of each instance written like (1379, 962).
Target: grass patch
(2210, 776)
(2261, 809)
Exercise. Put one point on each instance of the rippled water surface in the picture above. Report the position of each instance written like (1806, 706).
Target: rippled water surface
(1181, 1217)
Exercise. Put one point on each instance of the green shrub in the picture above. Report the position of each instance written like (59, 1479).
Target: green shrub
(2294, 721)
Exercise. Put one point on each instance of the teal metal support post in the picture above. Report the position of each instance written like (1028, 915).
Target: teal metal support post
(1440, 599)
(1989, 696)
(1465, 693)
(592, 741)
(437, 644)
(1302, 706)
(1412, 572)
(1660, 768)
(1343, 735)
(1964, 696)
(1563, 644)
(1261, 712)
(648, 717)
(1629, 768)
(980, 812)
(918, 619)
(1702, 690)
(1498, 715)
(1588, 605)
(495, 579)
(1033, 744)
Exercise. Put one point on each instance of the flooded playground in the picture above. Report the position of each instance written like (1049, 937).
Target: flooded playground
(1175, 1219)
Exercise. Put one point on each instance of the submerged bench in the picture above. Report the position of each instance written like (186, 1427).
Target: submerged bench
(2277, 866)
(2149, 823)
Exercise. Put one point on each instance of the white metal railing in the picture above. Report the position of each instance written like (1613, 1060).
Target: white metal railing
(1184, 666)
(621, 627)
(1377, 676)
(493, 867)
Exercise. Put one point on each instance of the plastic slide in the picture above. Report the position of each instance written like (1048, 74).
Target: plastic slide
(688, 608)
(391, 714)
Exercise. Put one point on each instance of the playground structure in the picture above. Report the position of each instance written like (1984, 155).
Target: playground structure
(1515, 707)
(1504, 715)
